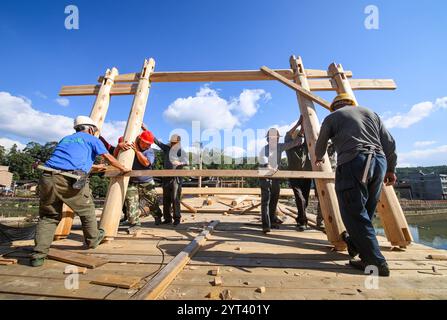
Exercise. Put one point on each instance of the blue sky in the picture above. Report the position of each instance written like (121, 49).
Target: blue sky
(38, 55)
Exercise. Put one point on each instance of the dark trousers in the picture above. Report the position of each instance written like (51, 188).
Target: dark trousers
(269, 200)
(55, 190)
(301, 190)
(172, 194)
(358, 202)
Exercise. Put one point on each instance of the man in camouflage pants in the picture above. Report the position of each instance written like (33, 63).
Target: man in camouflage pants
(139, 186)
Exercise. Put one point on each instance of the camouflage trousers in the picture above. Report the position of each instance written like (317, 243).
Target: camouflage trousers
(133, 196)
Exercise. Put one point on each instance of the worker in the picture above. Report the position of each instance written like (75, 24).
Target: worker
(174, 157)
(298, 160)
(141, 185)
(65, 181)
(366, 158)
(270, 159)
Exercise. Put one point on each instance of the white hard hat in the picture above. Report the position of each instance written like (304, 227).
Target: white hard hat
(83, 120)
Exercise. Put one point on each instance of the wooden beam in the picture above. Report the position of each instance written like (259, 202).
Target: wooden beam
(239, 200)
(216, 76)
(326, 189)
(226, 173)
(294, 86)
(76, 259)
(227, 191)
(98, 114)
(187, 206)
(155, 287)
(314, 85)
(390, 212)
(118, 185)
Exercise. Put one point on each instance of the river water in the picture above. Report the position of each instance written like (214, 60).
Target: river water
(429, 230)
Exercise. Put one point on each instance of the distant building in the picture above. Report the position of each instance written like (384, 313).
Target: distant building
(423, 186)
(5, 178)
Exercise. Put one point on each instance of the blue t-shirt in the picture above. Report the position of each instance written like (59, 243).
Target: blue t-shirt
(150, 155)
(76, 152)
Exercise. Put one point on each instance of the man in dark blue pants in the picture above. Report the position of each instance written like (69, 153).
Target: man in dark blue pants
(366, 158)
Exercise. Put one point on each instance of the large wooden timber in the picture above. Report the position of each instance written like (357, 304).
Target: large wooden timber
(390, 211)
(98, 114)
(294, 86)
(226, 191)
(226, 75)
(118, 185)
(314, 85)
(154, 288)
(326, 189)
(227, 173)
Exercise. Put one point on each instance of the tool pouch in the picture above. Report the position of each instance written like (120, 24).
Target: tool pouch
(81, 181)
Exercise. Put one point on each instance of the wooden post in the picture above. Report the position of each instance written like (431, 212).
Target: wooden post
(118, 185)
(326, 188)
(390, 211)
(98, 114)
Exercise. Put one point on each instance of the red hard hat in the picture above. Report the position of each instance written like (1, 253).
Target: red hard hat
(147, 136)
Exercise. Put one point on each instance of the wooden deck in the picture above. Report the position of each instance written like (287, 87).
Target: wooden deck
(289, 264)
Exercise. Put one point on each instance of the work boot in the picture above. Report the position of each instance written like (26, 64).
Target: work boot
(358, 264)
(352, 250)
(301, 227)
(98, 240)
(176, 222)
(37, 262)
(384, 270)
(158, 221)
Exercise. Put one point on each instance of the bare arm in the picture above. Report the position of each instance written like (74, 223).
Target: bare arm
(115, 163)
(142, 159)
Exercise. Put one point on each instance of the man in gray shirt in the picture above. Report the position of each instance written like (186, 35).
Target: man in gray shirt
(366, 157)
(270, 159)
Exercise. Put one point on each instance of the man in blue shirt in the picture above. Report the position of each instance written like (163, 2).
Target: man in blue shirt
(73, 157)
(143, 185)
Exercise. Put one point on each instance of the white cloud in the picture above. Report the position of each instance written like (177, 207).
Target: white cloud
(8, 143)
(427, 157)
(417, 113)
(19, 118)
(40, 94)
(63, 102)
(421, 144)
(214, 112)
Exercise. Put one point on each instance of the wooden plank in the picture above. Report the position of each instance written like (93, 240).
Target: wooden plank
(227, 75)
(119, 281)
(110, 217)
(227, 191)
(187, 206)
(314, 85)
(281, 174)
(154, 288)
(76, 259)
(306, 93)
(239, 200)
(326, 189)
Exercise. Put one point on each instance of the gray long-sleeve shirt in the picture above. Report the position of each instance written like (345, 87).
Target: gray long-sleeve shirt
(354, 130)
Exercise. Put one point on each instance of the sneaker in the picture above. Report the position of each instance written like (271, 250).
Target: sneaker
(167, 222)
(176, 222)
(158, 221)
(98, 240)
(266, 230)
(301, 227)
(37, 262)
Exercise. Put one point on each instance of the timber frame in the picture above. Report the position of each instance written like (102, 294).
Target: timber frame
(303, 81)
